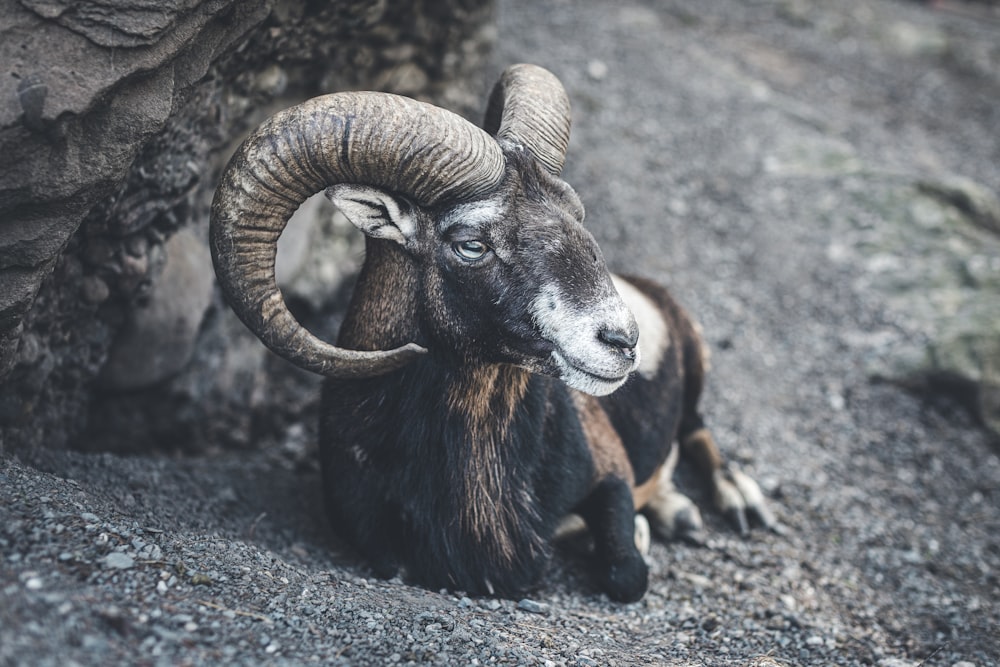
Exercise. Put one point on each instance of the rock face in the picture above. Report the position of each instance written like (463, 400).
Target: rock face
(76, 110)
(930, 248)
(115, 118)
(936, 258)
(158, 338)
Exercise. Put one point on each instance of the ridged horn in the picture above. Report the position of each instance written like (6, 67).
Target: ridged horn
(529, 106)
(423, 152)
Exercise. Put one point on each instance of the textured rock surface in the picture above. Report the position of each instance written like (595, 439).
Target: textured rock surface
(112, 23)
(157, 340)
(319, 251)
(75, 114)
(76, 110)
(114, 119)
(938, 268)
(929, 246)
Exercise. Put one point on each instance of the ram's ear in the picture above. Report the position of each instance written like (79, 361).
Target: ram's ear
(375, 212)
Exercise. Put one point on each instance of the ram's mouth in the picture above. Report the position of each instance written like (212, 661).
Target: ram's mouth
(589, 381)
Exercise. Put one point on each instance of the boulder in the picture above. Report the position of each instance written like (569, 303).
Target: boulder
(77, 108)
(934, 259)
(115, 120)
(159, 336)
(930, 249)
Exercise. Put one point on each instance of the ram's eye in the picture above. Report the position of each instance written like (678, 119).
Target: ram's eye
(470, 250)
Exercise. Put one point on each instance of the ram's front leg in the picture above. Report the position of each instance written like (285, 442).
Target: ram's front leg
(736, 495)
(609, 507)
(609, 512)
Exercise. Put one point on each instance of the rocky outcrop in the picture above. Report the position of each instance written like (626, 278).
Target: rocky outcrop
(935, 258)
(78, 108)
(930, 251)
(158, 338)
(115, 118)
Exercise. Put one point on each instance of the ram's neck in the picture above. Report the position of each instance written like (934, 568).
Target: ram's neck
(383, 310)
(487, 397)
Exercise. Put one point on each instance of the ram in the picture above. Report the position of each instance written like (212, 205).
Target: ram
(491, 378)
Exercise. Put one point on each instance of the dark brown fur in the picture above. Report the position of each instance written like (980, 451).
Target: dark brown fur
(607, 453)
(486, 397)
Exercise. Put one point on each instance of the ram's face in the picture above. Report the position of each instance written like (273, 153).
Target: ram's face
(518, 279)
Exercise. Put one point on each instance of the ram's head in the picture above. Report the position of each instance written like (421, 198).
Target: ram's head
(498, 266)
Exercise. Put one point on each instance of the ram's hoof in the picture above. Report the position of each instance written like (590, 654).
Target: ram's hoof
(626, 581)
(676, 517)
(740, 499)
(643, 535)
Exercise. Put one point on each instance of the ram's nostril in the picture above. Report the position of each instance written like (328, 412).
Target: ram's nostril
(624, 340)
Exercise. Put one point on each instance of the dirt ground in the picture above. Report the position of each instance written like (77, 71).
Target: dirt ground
(704, 144)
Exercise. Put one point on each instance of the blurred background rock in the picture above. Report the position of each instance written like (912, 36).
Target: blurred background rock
(116, 120)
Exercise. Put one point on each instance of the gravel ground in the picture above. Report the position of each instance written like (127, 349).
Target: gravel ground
(692, 139)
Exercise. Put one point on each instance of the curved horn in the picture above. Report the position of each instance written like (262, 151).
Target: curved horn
(529, 106)
(394, 143)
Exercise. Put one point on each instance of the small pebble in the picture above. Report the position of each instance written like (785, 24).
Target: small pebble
(116, 560)
(533, 607)
(94, 290)
(597, 70)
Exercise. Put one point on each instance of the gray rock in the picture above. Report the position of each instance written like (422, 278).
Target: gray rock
(532, 606)
(117, 116)
(117, 560)
(811, 155)
(159, 339)
(115, 23)
(318, 250)
(73, 124)
(912, 39)
(938, 268)
(975, 201)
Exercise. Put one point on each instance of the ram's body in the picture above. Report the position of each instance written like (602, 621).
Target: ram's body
(470, 404)
(462, 472)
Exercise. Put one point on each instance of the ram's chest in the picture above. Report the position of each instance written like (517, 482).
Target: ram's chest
(607, 452)
(495, 503)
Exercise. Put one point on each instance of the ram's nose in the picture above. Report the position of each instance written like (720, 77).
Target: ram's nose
(624, 340)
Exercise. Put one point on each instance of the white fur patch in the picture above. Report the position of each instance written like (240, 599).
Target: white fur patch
(473, 214)
(584, 362)
(642, 534)
(585, 381)
(654, 336)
